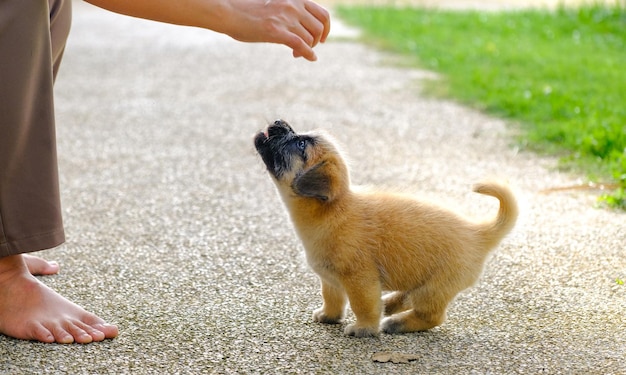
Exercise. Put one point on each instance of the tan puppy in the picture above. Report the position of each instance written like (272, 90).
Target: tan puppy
(361, 244)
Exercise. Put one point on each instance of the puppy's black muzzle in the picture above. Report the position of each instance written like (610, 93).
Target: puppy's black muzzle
(271, 146)
(279, 128)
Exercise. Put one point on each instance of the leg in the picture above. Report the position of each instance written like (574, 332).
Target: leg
(31, 44)
(365, 301)
(59, 24)
(29, 191)
(334, 305)
(428, 311)
(60, 20)
(395, 302)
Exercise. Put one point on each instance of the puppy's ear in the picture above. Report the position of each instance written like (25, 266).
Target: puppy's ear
(315, 182)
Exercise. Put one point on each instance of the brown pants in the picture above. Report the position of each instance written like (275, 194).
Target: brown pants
(32, 40)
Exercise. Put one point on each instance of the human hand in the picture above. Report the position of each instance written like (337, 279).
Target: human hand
(298, 24)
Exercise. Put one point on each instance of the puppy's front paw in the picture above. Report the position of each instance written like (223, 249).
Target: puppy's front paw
(356, 331)
(320, 316)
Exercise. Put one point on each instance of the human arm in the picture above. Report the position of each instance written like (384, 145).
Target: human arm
(298, 24)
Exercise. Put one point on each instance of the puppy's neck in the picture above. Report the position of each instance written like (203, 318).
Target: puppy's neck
(305, 211)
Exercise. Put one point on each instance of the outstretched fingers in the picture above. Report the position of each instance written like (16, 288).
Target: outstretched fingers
(298, 24)
(319, 24)
(312, 27)
(300, 47)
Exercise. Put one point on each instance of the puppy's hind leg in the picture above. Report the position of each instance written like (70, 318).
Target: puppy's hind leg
(395, 302)
(429, 310)
(334, 306)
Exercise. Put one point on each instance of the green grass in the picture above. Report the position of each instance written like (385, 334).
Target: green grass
(560, 74)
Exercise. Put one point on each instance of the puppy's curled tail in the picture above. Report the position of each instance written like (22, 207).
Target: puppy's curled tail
(494, 230)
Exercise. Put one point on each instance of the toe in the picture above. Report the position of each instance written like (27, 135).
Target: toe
(79, 334)
(39, 266)
(95, 333)
(109, 330)
(61, 335)
(391, 326)
(42, 334)
(359, 331)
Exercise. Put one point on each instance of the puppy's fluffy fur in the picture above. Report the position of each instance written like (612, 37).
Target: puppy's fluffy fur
(361, 244)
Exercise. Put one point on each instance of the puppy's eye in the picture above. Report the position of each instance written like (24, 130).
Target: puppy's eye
(301, 144)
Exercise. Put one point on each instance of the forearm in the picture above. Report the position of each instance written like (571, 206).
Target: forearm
(298, 24)
(199, 13)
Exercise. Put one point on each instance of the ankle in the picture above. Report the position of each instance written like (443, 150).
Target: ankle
(11, 266)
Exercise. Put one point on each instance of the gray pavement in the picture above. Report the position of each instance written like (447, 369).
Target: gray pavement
(176, 234)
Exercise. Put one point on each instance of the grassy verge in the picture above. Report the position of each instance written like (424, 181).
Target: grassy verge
(560, 74)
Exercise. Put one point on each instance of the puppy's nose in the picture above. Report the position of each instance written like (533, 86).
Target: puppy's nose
(279, 128)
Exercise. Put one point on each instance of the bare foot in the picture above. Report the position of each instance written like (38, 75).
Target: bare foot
(39, 266)
(29, 310)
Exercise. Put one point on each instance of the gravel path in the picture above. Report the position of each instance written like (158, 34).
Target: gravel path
(176, 234)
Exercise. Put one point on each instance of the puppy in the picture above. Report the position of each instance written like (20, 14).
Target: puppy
(361, 244)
